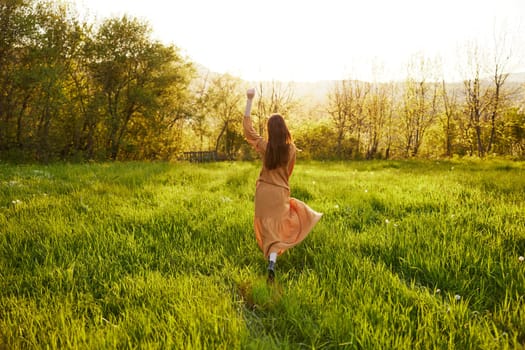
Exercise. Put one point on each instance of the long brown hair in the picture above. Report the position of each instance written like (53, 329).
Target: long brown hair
(279, 141)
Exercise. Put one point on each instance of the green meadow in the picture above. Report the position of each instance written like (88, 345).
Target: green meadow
(408, 255)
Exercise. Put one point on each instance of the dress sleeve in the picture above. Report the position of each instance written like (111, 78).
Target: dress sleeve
(254, 139)
(291, 161)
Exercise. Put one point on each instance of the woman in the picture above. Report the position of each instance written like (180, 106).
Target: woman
(280, 222)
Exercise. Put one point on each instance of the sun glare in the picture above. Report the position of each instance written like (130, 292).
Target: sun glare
(320, 40)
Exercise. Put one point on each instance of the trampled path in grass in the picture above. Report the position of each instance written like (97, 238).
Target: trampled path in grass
(408, 255)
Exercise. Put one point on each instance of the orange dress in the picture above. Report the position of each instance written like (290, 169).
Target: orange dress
(280, 222)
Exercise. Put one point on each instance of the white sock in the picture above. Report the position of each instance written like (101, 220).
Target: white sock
(273, 257)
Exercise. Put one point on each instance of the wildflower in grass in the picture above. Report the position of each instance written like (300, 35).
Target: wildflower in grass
(387, 221)
(457, 297)
(438, 291)
(395, 225)
(336, 206)
(366, 191)
(16, 202)
(521, 258)
(226, 199)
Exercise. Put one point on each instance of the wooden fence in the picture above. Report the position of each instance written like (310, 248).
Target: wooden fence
(201, 156)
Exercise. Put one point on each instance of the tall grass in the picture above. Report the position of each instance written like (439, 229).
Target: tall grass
(409, 255)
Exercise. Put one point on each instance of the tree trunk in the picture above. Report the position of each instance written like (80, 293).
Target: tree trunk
(217, 142)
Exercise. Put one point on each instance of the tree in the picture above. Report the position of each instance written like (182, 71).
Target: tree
(56, 48)
(512, 137)
(448, 117)
(317, 141)
(485, 96)
(476, 101)
(340, 111)
(379, 109)
(274, 97)
(346, 110)
(17, 25)
(156, 132)
(132, 73)
(223, 102)
(199, 122)
(38, 43)
(420, 104)
(501, 56)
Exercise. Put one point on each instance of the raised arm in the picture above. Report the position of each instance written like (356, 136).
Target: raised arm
(253, 138)
(250, 94)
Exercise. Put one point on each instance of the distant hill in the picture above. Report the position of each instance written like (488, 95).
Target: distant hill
(516, 77)
(316, 92)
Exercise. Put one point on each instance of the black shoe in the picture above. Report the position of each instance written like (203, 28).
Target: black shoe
(271, 271)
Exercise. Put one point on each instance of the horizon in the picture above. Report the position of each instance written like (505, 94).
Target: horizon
(329, 40)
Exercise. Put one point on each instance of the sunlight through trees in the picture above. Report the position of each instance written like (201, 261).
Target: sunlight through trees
(73, 90)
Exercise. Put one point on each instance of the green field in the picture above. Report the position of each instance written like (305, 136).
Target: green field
(408, 255)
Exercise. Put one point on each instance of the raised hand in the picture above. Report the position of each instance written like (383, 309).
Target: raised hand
(250, 93)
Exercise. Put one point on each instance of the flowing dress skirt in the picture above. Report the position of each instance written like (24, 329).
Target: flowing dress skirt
(280, 222)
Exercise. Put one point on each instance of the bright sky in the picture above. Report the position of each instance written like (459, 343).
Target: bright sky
(308, 40)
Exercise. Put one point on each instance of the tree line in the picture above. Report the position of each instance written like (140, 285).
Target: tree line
(74, 90)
